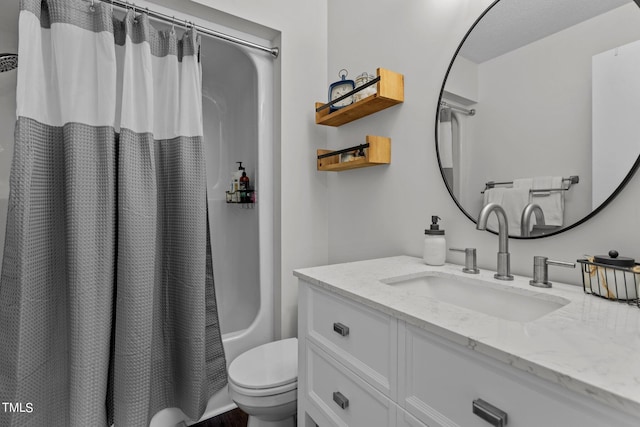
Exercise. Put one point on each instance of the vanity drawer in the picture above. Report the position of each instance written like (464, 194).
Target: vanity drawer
(363, 339)
(439, 380)
(341, 396)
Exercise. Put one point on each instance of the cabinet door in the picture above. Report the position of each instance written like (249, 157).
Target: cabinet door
(361, 338)
(439, 380)
(341, 396)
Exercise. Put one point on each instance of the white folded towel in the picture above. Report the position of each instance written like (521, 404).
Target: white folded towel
(493, 195)
(445, 144)
(552, 203)
(527, 184)
(523, 183)
(513, 201)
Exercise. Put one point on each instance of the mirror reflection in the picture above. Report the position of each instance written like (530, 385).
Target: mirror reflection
(540, 109)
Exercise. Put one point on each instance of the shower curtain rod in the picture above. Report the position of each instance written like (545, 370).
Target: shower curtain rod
(274, 51)
(471, 112)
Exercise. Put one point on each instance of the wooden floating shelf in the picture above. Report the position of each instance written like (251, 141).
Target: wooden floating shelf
(378, 153)
(389, 92)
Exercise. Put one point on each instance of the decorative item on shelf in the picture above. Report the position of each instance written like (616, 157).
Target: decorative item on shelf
(347, 157)
(352, 155)
(387, 90)
(361, 80)
(612, 277)
(376, 151)
(339, 89)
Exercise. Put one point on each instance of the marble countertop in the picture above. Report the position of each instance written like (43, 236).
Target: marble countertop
(590, 345)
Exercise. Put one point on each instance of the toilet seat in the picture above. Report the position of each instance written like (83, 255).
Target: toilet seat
(262, 392)
(266, 370)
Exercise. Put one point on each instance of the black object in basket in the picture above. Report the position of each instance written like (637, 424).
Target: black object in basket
(611, 277)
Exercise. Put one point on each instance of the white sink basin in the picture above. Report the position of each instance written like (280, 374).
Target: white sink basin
(504, 302)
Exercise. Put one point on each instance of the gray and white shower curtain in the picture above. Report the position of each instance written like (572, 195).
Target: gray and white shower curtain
(107, 302)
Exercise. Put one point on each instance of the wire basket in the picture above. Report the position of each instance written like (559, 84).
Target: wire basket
(611, 282)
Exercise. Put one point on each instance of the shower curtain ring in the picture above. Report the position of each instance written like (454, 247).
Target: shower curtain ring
(173, 25)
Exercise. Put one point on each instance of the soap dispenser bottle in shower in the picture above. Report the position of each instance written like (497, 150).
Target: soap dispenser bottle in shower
(236, 177)
(435, 245)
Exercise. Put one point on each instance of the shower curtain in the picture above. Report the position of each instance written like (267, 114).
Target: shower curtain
(107, 302)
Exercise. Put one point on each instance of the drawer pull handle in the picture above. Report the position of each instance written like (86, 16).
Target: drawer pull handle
(494, 416)
(339, 398)
(341, 329)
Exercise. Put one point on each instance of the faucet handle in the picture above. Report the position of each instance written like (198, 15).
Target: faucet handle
(470, 265)
(541, 270)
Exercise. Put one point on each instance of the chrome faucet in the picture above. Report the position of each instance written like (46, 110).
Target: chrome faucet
(525, 227)
(504, 263)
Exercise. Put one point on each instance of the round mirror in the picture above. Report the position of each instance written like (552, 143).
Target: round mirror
(540, 112)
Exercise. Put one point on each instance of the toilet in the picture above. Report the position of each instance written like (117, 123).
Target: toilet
(263, 382)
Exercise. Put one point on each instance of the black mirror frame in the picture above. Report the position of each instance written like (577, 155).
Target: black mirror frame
(593, 213)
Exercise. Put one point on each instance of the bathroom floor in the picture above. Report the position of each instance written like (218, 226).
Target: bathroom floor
(234, 418)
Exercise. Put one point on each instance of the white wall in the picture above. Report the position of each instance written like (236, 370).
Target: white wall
(462, 82)
(615, 117)
(382, 211)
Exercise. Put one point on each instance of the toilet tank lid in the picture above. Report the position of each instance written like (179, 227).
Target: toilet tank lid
(266, 366)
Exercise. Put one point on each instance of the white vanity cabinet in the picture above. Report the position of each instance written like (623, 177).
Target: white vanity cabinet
(360, 367)
(347, 362)
(440, 380)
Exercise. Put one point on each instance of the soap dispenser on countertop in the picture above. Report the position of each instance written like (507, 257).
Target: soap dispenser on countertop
(435, 245)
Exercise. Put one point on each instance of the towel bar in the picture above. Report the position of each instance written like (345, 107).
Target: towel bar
(573, 179)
